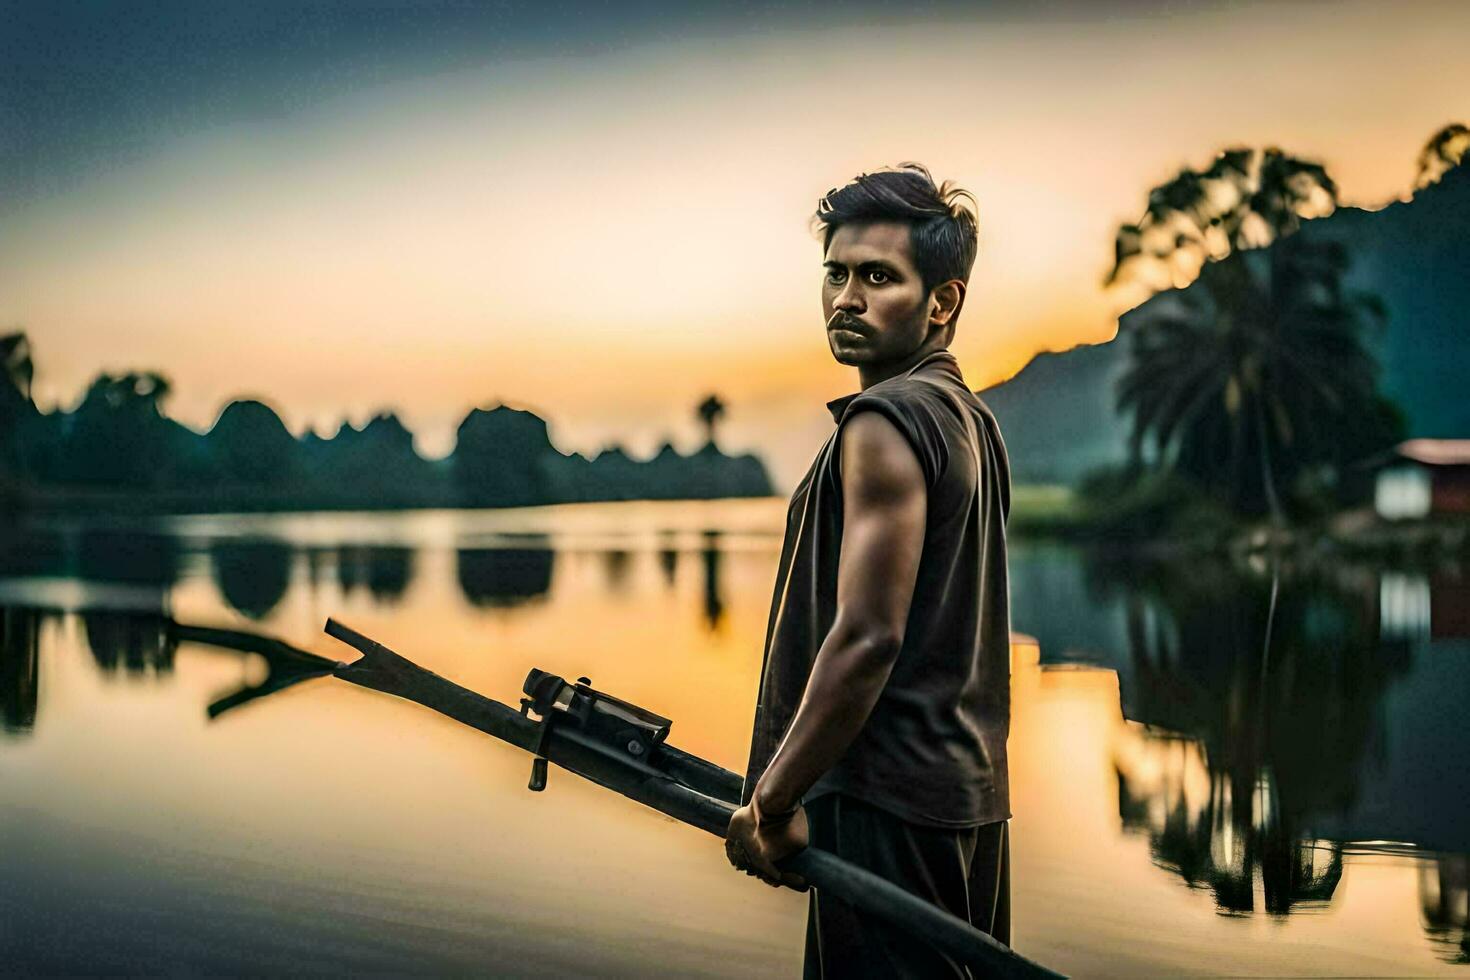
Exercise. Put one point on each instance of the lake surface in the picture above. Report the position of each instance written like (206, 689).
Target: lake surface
(1216, 771)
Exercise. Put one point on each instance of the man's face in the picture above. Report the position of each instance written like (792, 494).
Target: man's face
(873, 301)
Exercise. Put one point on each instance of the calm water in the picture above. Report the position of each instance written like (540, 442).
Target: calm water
(1211, 776)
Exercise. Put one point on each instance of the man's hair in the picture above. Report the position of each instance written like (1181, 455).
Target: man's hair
(942, 229)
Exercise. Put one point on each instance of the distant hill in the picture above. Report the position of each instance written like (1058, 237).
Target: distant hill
(1057, 415)
(1416, 255)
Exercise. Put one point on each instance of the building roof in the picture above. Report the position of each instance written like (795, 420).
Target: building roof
(1436, 452)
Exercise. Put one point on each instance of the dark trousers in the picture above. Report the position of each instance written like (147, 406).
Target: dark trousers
(966, 872)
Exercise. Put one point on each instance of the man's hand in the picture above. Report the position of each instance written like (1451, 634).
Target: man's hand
(755, 850)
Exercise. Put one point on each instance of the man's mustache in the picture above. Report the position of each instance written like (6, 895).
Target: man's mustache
(841, 321)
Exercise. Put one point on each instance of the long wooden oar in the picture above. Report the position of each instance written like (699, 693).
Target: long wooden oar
(639, 765)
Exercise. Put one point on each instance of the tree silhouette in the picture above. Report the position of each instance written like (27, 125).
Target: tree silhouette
(119, 435)
(16, 372)
(1259, 370)
(377, 462)
(501, 458)
(118, 442)
(710, 411)
(1443, 152)
(1245, 199)
(251, 445)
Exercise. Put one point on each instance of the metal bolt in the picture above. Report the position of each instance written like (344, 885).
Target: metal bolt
(635, 747)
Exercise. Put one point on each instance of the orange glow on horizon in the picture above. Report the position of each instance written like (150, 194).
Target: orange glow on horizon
(546, 233)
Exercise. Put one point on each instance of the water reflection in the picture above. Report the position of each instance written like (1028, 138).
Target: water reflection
(140, 645)
(252, 573)
(1270, 711)
(1265, 734)
(1444, 896)
(383, 570)
(615, 565)
(498, 578)
(20, 642)
(668, 560)
(714, 602)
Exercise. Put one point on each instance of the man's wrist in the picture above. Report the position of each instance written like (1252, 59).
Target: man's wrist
(770, 809)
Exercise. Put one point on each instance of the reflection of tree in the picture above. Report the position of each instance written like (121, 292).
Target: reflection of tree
(615, 562)
(385, 570)
(1444, 898)
(714, 602)
(20, 645)
(316, 565)
(1284, 694)
(125, 641)
(252, 573)
(668, 560)
(501, 577)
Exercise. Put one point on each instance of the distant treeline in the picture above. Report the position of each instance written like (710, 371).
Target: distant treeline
(119, 449)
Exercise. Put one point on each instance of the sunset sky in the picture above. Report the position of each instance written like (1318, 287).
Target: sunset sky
(602, 213)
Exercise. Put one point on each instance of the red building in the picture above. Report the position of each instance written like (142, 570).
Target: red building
(1426, 476)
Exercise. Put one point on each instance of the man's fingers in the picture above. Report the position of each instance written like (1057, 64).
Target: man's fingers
(768, 872)
(754, 862)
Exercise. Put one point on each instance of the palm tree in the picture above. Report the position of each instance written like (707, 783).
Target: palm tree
(1245, 199)
(1255, 374)
(710, 411)
(1265, 356)
(16, 374)
(1443, 152)
(15, 356)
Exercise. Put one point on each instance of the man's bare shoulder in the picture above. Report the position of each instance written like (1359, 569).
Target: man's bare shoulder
(877, 462)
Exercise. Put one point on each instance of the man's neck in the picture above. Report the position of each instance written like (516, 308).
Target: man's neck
(871, 374)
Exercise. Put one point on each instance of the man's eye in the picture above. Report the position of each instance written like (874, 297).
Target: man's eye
(835, 275)
(877, 277)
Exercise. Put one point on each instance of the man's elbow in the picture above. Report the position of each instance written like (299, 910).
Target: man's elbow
(871, 649)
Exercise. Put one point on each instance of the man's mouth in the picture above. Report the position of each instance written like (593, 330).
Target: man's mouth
(841, 324)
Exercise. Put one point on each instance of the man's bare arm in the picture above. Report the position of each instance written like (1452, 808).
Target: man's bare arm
(884, 507)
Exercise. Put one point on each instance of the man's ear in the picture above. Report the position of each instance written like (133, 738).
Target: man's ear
(949, 297)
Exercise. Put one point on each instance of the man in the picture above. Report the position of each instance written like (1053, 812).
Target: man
(880, 731)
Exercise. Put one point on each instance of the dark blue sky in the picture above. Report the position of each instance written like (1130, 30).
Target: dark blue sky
(88, 86)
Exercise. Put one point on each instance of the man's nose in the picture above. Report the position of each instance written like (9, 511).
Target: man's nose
(850, 300)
